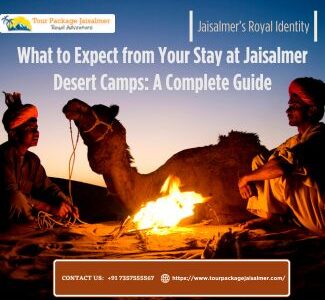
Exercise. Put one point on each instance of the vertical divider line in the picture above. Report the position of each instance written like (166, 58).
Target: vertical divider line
(315, 26)
(190, 26)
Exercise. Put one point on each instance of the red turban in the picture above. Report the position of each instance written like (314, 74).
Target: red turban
(22, 115)
(17, 113)
(310, 91)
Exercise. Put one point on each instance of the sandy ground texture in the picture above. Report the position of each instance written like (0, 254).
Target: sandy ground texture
(27, 253)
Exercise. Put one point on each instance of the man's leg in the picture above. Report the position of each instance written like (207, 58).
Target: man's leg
(307, 202)
(265, 203)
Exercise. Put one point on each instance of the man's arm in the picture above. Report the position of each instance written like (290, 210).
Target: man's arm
(61, 204)
(272, 169)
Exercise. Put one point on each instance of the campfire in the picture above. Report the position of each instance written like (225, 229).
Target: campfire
(170, 209)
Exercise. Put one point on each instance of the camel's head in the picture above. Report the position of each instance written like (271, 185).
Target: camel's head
(100, 131)
(94, 122)
(75, 109)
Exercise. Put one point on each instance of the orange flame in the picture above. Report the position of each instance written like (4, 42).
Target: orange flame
(168, 210)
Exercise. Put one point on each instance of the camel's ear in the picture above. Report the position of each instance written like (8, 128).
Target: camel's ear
(114, 110)
(106, 113)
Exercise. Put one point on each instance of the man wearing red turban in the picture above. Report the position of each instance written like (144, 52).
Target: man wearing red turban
(292, 178)
(24, 185)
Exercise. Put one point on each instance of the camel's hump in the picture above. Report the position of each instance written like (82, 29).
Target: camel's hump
(234, 142)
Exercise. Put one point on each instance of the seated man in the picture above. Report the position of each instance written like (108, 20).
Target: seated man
(24, 186)
(292, 178)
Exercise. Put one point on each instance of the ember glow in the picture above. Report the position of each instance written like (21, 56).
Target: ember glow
(170, 209)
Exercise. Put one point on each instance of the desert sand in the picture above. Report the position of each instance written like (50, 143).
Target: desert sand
(27, 252)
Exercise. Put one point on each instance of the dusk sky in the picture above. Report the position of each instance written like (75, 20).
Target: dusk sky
(161, 123)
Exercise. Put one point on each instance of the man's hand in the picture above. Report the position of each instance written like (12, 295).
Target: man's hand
(245, 189)
(65, 209)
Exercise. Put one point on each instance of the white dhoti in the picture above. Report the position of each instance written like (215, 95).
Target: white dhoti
(297, 191)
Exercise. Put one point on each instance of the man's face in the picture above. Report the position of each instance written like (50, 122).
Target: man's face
(28, 134)
(297, 111)
(296, 114)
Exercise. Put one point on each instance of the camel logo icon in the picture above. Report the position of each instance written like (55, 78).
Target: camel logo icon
(17, 24)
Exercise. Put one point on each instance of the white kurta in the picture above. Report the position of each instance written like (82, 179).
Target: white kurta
(300, 191)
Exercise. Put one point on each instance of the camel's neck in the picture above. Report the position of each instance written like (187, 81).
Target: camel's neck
(121, 181)
(111, 158)
(133, 188)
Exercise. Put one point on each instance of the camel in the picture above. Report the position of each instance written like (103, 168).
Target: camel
(212, 171)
